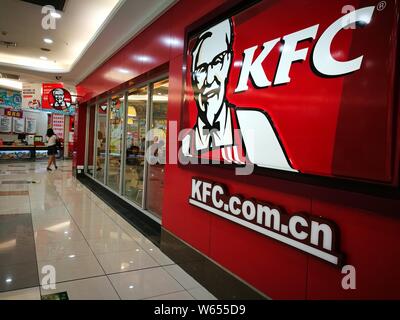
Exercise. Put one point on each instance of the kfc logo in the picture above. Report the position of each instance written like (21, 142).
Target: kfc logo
(223, 131)
(60, 99)
(323, 62)
(240, 135)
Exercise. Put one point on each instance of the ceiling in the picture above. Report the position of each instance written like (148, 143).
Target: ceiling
(87, 33)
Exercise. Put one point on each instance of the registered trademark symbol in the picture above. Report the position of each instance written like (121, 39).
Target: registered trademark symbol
(381, 6)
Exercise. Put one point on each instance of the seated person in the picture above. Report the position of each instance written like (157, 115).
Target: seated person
(132, 155)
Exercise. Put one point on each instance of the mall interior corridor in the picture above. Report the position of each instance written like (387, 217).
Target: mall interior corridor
(50, 222)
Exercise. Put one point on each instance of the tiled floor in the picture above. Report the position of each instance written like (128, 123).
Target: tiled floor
(50, 222)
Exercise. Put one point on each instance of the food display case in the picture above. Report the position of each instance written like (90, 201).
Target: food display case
(25, 153)
(15, 154)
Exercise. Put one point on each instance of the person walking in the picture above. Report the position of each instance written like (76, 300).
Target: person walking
(52, 148)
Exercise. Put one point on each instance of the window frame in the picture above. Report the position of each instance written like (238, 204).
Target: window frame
(149, 84)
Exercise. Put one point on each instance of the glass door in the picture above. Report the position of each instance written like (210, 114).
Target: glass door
(101, 141)
(90, 139)
(157, 147)
(135, 144)
(115, 134)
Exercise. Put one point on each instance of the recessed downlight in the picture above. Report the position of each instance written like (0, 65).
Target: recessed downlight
(48, 40)
(42, 58)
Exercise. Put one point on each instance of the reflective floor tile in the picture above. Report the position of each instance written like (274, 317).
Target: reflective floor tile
(12, 187)
(107, 230)
(17, 244)
(62, 231)
(182, 277)
(201, 294)
(23, 294)
(48, 221)
(181, 295)
(84, 209)
(144, 284)
(156, 253)
(90, 221)
(62, 250)
(49, 210)
(118, 244)
(18, 276)
(98, 288)
(13, 193)
(126, 261)
(72, 268)
(14, 205)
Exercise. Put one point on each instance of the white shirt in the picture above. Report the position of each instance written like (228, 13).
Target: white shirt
(223, 137)
(262, 144)
(52, 140)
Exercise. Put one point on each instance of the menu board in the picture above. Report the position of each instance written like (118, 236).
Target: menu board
(58, 125)
(30, 126)
(5, 124)
(18, 125)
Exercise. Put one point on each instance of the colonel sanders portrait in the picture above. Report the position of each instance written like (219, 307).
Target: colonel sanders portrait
(225, 132)
(59, 99)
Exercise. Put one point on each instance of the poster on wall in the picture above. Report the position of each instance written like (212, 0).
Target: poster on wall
(5, 124)
(18, 125)
(10, 98)
(31, 95)
(58, 125)
(30, 126)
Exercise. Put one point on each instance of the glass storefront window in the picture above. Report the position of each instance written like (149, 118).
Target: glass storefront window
(101, 128)
(91, 139)
(119, 144)
(115, 129)
(157, 147)
(135, 145)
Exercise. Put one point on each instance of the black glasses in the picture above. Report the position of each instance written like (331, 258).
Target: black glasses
(202, 69)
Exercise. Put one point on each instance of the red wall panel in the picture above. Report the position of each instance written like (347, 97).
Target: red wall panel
(371, 243)
(368, 224)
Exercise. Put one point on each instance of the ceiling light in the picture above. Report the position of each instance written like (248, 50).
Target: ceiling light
(55, 15)
(8, 280)
(43, 58)
(11, 84)
(123, 71)
(47, 40)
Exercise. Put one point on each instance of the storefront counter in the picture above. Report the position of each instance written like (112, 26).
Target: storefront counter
(25, 152)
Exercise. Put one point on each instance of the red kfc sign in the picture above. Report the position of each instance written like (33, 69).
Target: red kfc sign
(60, 99)
(306, 90)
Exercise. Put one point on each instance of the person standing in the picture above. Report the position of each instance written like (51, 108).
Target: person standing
(52, 148)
